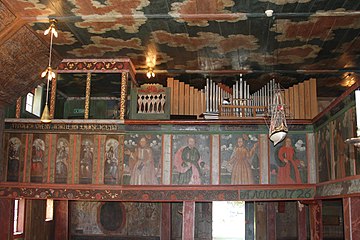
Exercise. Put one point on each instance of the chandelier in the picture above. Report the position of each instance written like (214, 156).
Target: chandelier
(278, 128)
(45, 117)
(150, 73)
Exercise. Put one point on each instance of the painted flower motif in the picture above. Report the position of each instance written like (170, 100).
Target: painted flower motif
(145, 196)
(98, 196)
(43, 195)
(221, 196)
(173, 197)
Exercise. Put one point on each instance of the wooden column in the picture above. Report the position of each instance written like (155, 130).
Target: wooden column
(18, 108)
(261, 221)
(53, 97)
(123, 94)
(302, 231)
(351, 212)
(6, 218)
(87, 95)
(271, 220)
(165, 227)
(61, 216)
(188, 229)
(315, 212)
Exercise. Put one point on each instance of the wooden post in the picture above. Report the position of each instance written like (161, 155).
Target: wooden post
(87, 95)
(165, 227)
(61, 209)
(261, 224)
(302, 231)
(123, 94)
(315, 212)
(188, 229)
(6, 218)
(271, 220)
(18, 108)
(53, 97)
(351, 213)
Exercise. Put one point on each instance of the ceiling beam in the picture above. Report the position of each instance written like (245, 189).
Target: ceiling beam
(197, 16)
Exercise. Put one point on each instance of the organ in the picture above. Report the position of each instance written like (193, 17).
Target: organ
(219, 101)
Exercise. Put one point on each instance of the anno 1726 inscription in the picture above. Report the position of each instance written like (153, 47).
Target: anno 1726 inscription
(277, 194)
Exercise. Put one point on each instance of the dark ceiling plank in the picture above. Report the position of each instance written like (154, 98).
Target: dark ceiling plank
(11, 29)
(59, 8)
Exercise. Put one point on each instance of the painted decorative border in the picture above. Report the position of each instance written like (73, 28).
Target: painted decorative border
(151, 193)
(94, 128)
(97, 65)
(338, 188)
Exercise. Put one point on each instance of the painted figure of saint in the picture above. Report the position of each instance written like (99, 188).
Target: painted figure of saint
(38, 150)
(111, 163)
(141, 163)
(288, 171)
(62, 157)
(240, 161)
(188, 162)
(13, 159)
(86, 161)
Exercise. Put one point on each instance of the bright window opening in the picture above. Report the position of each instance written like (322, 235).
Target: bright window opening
(16, 215)
(49, 210)
(19, 213)
(29, 102)
(33, 101)
(228, 220)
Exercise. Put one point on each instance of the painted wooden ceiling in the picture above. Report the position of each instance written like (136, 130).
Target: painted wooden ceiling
(194, 39)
